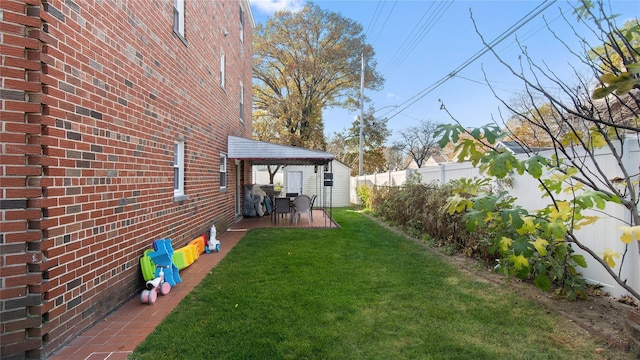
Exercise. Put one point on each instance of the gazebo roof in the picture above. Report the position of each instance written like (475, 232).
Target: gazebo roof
(264, 153)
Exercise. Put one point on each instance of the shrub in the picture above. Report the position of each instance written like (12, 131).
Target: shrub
(364, 194)
(419, 210)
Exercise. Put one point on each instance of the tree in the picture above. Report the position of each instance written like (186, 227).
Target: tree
(266, 128)
(419, 142)
(577, 122)
(396, 158)
(525, 130)
(345, 146)
(306, 61)
(614, 61)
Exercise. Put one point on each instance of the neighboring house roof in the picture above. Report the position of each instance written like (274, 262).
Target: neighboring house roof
(512, 146)
(516, 149)
(435, 160)
(264, 153)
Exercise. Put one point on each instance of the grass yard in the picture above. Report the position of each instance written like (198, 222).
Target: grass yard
(357, 292)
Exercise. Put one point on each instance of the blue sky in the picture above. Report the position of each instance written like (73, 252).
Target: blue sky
(419, 44)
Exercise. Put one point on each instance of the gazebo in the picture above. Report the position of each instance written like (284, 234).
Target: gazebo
(258, 152)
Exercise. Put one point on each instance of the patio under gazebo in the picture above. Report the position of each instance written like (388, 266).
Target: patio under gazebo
(257, 152)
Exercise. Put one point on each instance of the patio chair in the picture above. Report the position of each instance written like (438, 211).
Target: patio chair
(282, 208)
(302, 204)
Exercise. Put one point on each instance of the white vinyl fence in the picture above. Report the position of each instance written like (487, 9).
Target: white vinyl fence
(603, 234)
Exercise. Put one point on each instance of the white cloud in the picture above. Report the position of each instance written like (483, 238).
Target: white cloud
(393, 96)
(271, 6)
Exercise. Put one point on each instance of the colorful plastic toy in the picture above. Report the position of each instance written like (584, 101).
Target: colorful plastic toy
(155, 286)
(147, 266)
(213, 244)
(185, 256)
(162, 257)
(199, 243)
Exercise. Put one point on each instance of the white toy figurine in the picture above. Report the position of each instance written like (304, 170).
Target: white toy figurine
(213, 244)
(155, 286)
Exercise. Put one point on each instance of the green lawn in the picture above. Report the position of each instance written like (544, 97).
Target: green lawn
(357, 292)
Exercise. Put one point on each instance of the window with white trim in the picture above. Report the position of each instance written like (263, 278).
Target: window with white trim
(223, 171)
(241, 102)
(221, 68)
(178, 168)
(241, 24)
(178, 17)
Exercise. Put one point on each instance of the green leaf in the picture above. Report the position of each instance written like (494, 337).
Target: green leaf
(634, 68)
(601, 93)
(521, 246)
(579, 260)
(535, 165)
(450, 133)
(474, 219)
(457, 203)
(513, 217)
(556, 230)
(620, 84)
(492, 133)
(592, 198)
(501, 164)
(542, 282)
(486, 202)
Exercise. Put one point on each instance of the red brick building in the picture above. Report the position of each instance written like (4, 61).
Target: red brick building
(115, 116)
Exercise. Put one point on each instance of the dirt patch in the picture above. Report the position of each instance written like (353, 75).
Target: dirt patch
(599, 315)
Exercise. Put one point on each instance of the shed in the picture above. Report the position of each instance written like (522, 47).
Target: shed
(313, 183)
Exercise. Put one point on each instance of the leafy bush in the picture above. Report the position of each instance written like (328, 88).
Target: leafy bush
(364, 194)
(420, 211)
(448, 217)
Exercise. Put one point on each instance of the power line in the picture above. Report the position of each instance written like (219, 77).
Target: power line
(374, 17)
(385, 21)
(530, 16)
(422, 28)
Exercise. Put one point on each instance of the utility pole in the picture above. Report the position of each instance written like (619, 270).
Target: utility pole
(361, 159)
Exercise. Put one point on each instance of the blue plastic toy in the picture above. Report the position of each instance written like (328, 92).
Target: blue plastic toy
(162, 257)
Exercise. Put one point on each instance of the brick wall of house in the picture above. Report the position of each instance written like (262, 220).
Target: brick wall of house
(94, 94)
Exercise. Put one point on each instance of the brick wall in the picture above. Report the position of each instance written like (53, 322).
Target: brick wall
(94, 95)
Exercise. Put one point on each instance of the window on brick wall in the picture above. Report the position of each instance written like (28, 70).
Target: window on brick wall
(222, 68)
(241, 24)
(178, 17)
(241, 102)
(178, 169)
(223, 171)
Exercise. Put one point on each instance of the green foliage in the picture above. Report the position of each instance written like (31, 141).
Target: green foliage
(530, 245)
(364, 194)
(618, 57)
(304, 62)
(618, 84)
(521, 244)
(422, 212)
(537, 244)
(345, 145)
